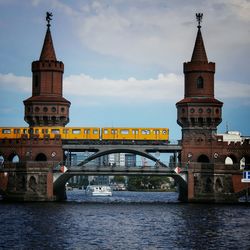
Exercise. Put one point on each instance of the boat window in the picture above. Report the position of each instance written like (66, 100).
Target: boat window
(55, 131)
(6, 131)
(124, 131)
(76, 131)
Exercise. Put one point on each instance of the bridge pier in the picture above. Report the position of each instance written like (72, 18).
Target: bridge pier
(28, 182)
(210, 183)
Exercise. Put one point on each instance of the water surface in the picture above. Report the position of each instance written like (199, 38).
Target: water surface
(128, 220)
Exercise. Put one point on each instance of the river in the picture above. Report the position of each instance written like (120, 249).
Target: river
(128, 220)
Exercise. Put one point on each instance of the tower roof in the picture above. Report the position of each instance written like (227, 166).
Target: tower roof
(48, 52)
(199, 52)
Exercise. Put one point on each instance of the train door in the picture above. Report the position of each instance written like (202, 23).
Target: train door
(135, 133)
(114, 134)
(87, 133)
(17, 133)
(157, 134)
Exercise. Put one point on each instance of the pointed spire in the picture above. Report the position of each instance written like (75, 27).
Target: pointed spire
(199, 52)
(48, 52)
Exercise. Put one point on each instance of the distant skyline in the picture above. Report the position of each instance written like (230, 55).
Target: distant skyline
(124, 59)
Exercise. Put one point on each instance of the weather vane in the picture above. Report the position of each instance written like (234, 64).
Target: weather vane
(48, 18)
(199, 19)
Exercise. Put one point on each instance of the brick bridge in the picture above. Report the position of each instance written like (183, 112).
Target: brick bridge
(206, 179)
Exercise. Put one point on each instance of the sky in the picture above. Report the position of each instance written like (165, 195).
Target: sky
(124, 58)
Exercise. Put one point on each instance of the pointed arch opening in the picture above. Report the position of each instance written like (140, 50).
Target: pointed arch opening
(203, 159)
(230, 160)
(14, 158)
(41, 157)
(245, 162)
(218, 185)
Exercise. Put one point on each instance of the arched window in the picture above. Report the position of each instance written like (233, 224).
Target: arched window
(199, 82)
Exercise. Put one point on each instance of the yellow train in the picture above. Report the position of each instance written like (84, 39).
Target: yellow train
(88, 134)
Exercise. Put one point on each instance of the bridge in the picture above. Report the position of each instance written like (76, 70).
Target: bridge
(208, 178)
(99, 150)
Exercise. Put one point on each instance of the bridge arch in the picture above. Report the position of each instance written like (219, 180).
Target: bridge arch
(125, 150)
(62, 178)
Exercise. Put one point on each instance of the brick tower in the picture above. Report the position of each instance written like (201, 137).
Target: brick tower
(47, 106)
(199, 113)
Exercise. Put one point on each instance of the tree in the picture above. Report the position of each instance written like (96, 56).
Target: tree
(119, 179)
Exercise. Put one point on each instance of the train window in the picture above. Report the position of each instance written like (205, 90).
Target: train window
(164, 132)
(55, 131)
(86, 131)
(76, 131)
(25, 131)
(135, 132)
(37, 131)
(6, 131)
(65, 131)
(145, 132)
(105, 131)
(113, 131)
(95, 131)
(124, 131)
(156, 132)
(16, 131)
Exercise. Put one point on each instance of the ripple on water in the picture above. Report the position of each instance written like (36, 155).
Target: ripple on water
(128, 220)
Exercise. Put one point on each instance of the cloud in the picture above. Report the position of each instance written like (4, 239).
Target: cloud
(14, 83)
(86, 90)
(161, 33)
(229, 90)
(164, 88)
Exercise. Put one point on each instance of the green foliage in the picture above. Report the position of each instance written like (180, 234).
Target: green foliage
(119, 179)
(146, 182)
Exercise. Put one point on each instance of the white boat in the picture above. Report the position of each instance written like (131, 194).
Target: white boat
(98, 190)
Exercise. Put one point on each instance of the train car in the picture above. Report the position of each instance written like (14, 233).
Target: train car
(67, 133)
(80, 133)
(135, 134)
(13, 132)
(89, 134)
